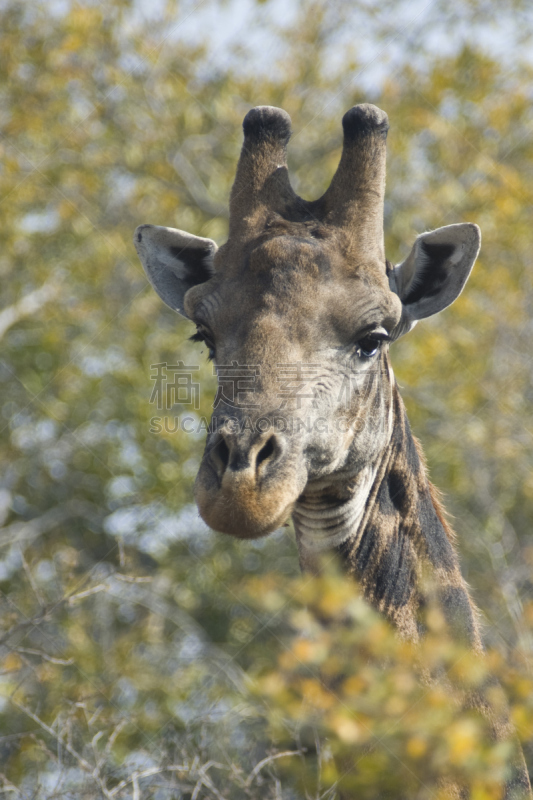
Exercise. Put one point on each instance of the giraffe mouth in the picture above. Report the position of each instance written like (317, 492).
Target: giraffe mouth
(242, 511)
(241, 525)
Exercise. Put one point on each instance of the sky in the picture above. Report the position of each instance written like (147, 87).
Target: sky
(409, 26)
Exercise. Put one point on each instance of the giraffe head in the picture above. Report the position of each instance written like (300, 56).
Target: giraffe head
(298, 310)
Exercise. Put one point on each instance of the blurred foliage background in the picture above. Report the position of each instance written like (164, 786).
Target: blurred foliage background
(142, 655)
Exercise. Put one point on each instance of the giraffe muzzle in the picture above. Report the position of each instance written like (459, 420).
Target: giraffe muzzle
(247, 485)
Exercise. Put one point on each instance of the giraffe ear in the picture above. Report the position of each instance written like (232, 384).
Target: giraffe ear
(174, 261)
(435, 271)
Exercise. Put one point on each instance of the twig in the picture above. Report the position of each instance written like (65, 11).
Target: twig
(8, 786)
(29, 530)
(131, 579)
(147, 773)
(206, 780)
(94, 741)
(31, 580)
(93, 771)
(114, 735)
(258, 767)
(92, 719)
(195, 186)
(100, 587)
(121, 552)
(81, 761)
(318, 748)
(197, 787)
(62, 661)
(33, 622)
(29, 304)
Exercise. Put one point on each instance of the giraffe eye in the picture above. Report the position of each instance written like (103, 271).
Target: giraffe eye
(369, 345)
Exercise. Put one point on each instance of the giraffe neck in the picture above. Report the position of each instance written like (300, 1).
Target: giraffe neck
(387, 526)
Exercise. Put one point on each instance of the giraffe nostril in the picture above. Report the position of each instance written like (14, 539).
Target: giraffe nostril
(266, 451)
(235, 456)
(221, 453)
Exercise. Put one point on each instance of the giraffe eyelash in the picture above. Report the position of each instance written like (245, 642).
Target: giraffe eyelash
(204, 338)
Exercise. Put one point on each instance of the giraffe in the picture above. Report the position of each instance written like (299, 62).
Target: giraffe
(303, 288)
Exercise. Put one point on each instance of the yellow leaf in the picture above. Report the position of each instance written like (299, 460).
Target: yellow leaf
(348, 730)
(12, 662)
(416, 746)
(462, 736)
(316, 695)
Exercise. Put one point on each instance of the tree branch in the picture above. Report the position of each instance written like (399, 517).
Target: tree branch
(194, 185)
(29, 304)
(26, 532)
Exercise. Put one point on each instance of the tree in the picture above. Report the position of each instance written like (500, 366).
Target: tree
(129, 642)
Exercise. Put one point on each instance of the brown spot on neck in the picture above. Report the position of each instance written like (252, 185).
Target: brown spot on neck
(402, 536)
